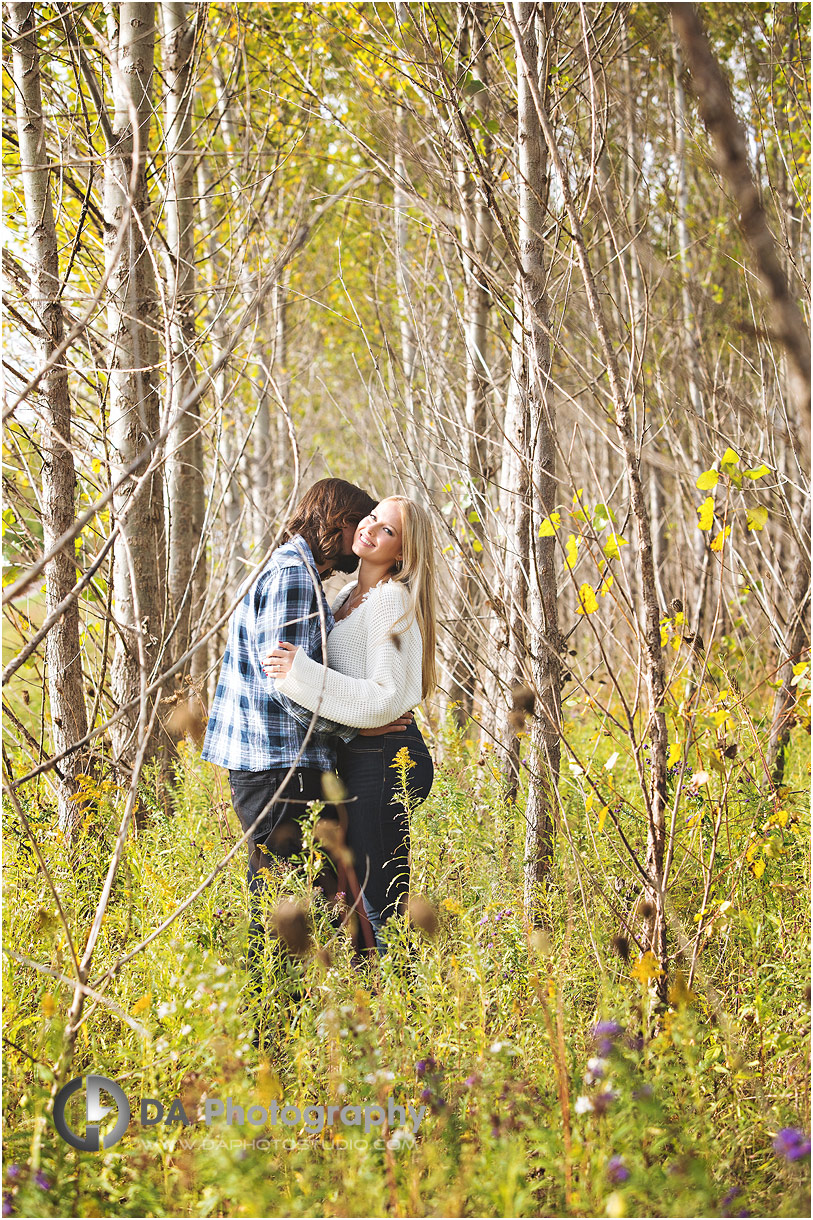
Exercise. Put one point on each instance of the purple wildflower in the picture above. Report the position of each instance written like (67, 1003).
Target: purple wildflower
(728, 1199)
(420, 1067)
(604, 1034)
(41, 1180)
(792, 1144)
(426, 1095)
(7, 1208)
(13, 1171)
(603, 1101)
(617, 1171)
(470, 1081)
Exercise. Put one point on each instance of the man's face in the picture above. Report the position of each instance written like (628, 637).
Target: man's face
(346, 562)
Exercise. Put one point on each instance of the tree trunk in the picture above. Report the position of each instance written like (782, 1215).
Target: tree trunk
(797, 639)
(689, 334)
(62, 654)
(185, 448)
(139, 563)
(655, 931)
(543, 637)
(409, 346)
(476, 229)
(714, 98)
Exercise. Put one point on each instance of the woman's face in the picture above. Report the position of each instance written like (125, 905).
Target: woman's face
(378, 536)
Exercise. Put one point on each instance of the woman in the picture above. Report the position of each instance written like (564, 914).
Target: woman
(381, 657)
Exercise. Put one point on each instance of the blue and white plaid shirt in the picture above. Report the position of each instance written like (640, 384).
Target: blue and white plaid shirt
(252, 727)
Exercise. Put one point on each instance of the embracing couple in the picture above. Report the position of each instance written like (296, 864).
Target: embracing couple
(378, 664)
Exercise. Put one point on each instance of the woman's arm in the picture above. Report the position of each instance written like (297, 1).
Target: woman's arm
(392, 683)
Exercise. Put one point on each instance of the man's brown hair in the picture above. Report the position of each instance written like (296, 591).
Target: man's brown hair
(322, 513)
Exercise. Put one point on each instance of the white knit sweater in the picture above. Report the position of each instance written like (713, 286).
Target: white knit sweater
(374, 674)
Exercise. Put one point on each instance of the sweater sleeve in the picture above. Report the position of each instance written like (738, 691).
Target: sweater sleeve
(392, 684)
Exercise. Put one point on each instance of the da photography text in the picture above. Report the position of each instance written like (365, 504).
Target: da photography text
(314, 1118)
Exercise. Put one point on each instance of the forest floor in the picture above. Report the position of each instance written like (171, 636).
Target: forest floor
(548, 1087)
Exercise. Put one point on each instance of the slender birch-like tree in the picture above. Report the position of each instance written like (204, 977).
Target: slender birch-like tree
(62, 652)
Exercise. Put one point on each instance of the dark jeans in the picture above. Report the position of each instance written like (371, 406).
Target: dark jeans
(280, 834)
(378, 827)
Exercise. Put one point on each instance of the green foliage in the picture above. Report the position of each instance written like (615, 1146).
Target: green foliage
(489, 1025)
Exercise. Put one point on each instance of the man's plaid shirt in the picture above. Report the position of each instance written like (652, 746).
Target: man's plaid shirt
(252, 727)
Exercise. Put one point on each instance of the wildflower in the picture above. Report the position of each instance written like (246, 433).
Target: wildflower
(583, 1105)
(595, 1070)
(7, 1208)
(792, 1144)
(470, 1081)
(426, 1094)
(603, 1101)
(41, 1180)
(604, 1034)
(617, 1171)
(729, 1198)
(643, 1094)
(13, 1171)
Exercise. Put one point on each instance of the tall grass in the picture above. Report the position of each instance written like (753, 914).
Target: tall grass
(547, 1089)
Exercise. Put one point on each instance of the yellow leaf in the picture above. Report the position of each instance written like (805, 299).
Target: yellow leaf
(717, 545)
(550, 525)
(142, 1005)
(646, 968)
(758, 472)
(571, 550)
(675, 752)
(758, 868)
(48, 1005)
(729, 458)
(606, 584)
(588, 801)
(588, 603)
(602, 816)
(756, 517)
(706, 511)
(707, 480)
(613, 544)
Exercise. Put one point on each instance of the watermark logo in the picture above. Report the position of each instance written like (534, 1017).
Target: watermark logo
(94, 1112)
(394, 1120)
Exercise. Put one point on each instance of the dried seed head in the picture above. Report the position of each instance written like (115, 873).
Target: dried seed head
(647, 909)
(291, 923)
(676, 605)
(621, 946)
(423, 915)
(285, 839)
(331, 836)
(539, 941)
(333, 789)
(522, 704)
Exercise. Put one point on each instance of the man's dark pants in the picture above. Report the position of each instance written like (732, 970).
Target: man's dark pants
(279, 832)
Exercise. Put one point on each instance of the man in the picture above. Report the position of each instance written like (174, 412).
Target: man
(259, 734)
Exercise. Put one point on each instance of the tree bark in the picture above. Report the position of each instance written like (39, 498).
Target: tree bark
(476, 231)
(184, 448)
(714, 99)
(543, 636)
(62, 652)
(797, 640)
(139, 563)
(655, 932)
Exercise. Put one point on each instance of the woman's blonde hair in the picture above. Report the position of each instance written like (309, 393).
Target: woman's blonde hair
(417, 572)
